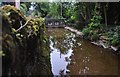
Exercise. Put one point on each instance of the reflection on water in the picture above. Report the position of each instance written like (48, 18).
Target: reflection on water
(61, 50)
(75, 56)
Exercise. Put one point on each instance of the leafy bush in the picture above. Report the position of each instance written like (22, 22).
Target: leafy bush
(114, 40)
(117, 29)
(93, 28)
(86, 31)
(110, 34)
(95, 37)
(95, 22)
(114, 36)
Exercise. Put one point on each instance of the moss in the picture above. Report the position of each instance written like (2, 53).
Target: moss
(1, 53)
(12, 9)
(24, 48)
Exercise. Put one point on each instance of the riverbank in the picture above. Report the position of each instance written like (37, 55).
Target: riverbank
(74, 31)
(102, 42)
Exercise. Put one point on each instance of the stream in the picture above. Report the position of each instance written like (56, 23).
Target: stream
(72, 55)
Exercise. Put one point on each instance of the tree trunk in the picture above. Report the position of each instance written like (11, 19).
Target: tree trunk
(17, 4)
(105, 16)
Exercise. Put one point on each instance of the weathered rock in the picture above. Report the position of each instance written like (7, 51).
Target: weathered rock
(104, 38)
(114, 48)
(104, 45)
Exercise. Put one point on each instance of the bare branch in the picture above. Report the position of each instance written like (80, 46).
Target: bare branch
(23, 25)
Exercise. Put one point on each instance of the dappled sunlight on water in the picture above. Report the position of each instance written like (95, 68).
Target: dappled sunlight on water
(71, 55)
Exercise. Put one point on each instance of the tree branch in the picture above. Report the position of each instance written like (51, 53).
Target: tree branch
(23, 25)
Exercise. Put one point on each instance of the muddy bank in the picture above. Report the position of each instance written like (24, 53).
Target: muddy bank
(103, 42)
(24, 45)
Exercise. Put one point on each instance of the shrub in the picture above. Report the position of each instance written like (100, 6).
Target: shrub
(86, 31)
(114, 36)
(114, 41)
(94, 37)
(95, 22)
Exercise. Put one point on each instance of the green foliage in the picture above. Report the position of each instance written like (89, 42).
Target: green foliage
(114, 36)
(90, 34)
(117, 29)
(69, 12)
(23, 8)
(114, 40)
(86, 31)
(93, 28)
(54, 10)
(41, 9)
(95, 22)
(110, 34)
(95, 37)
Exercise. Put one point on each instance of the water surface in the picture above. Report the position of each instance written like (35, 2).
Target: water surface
(71, 55)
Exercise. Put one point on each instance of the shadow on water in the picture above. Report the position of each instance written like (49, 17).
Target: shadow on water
(71, 55)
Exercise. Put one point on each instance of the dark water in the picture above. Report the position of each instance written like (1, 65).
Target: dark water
(71, 55)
